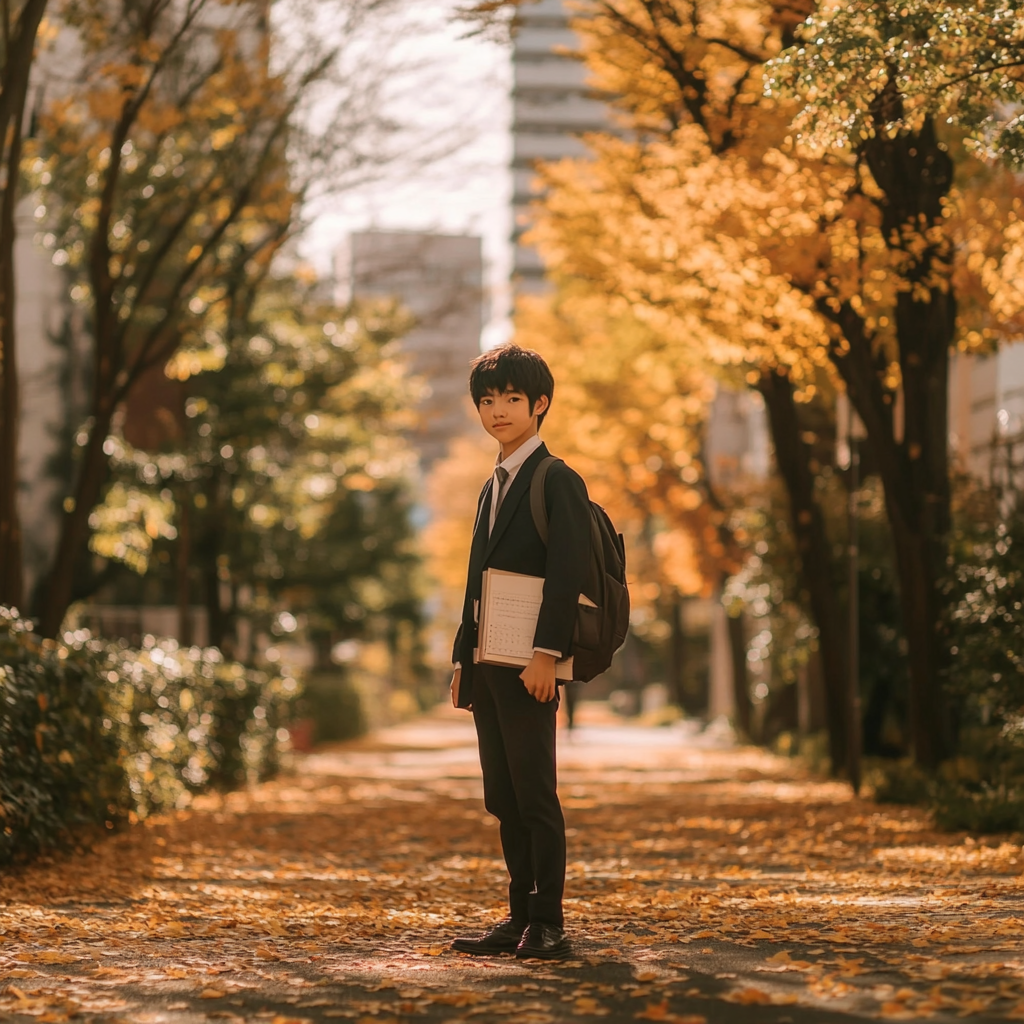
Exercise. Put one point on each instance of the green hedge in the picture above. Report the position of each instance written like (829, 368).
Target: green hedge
(95, 732)
(981, 788)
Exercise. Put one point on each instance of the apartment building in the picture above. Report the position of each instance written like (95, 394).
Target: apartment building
(551, 108)
(439, 280)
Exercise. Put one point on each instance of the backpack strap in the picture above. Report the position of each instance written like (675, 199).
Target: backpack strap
(538, 506)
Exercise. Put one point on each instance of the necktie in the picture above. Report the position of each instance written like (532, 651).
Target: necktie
(502, 475)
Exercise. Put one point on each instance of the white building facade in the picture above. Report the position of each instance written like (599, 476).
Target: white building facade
(986, 411)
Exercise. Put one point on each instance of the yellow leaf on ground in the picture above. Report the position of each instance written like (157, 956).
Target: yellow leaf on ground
(661, 1012)
(750, 996)
(53, 956)
(654, 1011)
(897, 1011)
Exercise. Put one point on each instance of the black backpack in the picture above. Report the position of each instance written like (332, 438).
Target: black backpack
(600, 631)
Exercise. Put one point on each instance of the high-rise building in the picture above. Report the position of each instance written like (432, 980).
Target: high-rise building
(439, 280)
(551, 107)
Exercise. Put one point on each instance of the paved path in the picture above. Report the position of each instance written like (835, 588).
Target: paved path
(706, 883)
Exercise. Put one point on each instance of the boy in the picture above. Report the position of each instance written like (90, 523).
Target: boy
(513, 710)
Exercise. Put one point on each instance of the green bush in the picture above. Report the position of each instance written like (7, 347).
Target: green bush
(59, 764)
(187, 720)
(93, 731)
(899, 781)
(982, 788)
(334, 705)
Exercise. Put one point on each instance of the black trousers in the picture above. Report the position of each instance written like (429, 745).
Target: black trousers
(516, 734)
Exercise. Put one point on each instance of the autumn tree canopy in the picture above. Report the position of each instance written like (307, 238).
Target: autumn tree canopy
(167, 166)
(853, 256)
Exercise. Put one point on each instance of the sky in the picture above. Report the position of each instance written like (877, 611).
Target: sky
(457, 88)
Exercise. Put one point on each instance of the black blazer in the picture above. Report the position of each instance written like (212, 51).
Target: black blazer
(515, 545)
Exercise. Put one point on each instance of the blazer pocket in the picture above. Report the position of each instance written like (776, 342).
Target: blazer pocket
(588, 627)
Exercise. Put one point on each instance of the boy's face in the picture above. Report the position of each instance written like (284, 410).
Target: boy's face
(507, 417)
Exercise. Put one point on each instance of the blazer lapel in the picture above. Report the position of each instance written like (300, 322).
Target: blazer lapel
(483, 516)
(519, 486)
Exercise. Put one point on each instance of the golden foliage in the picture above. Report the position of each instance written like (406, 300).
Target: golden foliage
(628, 415)
(724, 239)
(128, 522)
(160, 177)
(714, 229)
(453, 487)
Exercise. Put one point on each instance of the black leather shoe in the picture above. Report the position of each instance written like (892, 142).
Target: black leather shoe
(544, 942)
(502, 938)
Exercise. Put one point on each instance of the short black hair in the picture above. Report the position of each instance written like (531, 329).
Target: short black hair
(509, 366)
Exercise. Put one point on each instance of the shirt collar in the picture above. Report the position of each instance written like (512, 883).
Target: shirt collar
(520, 455)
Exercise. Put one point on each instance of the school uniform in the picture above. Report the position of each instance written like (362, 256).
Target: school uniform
(516, 732)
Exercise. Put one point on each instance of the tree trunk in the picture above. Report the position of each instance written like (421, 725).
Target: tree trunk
(184, 557)
(11, 580)
(814, 553)
(740, 681)
(915, 174)
(220, 619)
(13, 91)
(919, 567)
(74, 526)
(677, 653)
(217, 616)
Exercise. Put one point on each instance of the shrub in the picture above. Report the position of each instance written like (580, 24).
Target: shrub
(93, 731)
(188, 720)
(334, 705)
(59, 765)
(982, 789)
(899, 781)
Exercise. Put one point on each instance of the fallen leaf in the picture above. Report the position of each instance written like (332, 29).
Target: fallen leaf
(750, 996)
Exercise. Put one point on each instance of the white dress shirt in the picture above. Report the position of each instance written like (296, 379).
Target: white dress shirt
(511, 465)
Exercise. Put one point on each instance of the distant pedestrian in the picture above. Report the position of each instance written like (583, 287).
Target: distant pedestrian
(514, 711)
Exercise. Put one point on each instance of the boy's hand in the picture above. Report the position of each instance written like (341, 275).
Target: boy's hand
(539, 677)
(456, 680)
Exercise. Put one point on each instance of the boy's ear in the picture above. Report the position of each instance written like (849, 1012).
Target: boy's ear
(540, 405)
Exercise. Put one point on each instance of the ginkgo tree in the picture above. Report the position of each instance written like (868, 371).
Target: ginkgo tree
(854, 256)
(928, 257)
(643, 220)
(631, 415)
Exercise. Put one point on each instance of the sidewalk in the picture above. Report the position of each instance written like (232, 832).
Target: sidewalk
(706, 883)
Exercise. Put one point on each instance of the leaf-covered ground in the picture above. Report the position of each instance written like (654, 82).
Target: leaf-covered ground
(705, 884)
